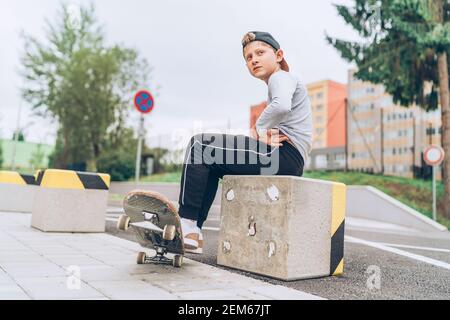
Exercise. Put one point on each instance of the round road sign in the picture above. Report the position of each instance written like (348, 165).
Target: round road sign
(143, 101)
(434, 155)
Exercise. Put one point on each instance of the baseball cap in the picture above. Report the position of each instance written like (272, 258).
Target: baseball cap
(267, 38)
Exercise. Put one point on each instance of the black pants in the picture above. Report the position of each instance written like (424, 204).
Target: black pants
(210, 156)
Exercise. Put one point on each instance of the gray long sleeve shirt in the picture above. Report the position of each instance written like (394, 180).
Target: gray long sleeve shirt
(289, 110)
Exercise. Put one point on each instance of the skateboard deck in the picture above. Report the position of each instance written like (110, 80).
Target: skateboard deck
(156, 223)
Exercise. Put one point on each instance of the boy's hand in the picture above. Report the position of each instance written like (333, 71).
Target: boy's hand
(254, 133)
(272, 137)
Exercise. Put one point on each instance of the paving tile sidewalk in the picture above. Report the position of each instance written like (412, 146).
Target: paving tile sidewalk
(38, 265)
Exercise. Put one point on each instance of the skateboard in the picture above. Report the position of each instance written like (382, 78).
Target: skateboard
(156, 223)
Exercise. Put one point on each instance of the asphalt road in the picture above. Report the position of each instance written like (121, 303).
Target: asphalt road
(382, 261)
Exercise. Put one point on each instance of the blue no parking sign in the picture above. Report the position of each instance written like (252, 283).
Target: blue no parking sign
(143, 101)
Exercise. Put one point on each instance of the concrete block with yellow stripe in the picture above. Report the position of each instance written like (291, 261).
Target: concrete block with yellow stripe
(70, 201)
(16, 191)
(283, 227)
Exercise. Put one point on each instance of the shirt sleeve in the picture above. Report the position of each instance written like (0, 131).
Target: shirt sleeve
(281, 89)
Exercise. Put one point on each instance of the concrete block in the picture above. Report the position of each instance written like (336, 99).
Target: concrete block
(283, 227)
(69, 201)
(16, 191)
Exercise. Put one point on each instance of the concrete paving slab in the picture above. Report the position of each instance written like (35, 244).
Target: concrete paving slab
(5, 279)
(106, 269)
(210, 295)
(59, 288)
(32, 270)
(12, 292)
(281, 293)
(131, 290)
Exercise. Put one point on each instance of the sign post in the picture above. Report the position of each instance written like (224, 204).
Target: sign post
(433, 156)
(144, 103)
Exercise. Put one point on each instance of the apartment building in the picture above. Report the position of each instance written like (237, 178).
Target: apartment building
(384, 137)
(328, 103)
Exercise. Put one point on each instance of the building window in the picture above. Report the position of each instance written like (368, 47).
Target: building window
(319, 95)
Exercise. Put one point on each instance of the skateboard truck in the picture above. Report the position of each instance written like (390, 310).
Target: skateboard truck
(160, 258)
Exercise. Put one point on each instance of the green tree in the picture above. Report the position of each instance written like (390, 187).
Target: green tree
(37, 158)
(1, 155)
(19, 135)
(404, 46)
(82, 83)
(118, 158)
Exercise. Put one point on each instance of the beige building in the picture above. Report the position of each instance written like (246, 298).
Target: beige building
(384, 137)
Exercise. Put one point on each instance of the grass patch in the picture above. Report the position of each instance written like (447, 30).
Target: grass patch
(414, 193)
(170, 177)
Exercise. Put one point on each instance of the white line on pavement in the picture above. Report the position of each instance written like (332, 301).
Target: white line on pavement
(413, 247)
(210, 228)
(417, 257)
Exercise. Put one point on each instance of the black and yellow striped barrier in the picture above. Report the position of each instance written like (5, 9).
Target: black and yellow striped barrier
(337, 229)
(12, 177)
(67, 179)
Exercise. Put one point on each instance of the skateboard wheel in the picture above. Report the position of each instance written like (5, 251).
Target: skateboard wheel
(123, 223)
(177, 261)
(169, 232)
(141, 258)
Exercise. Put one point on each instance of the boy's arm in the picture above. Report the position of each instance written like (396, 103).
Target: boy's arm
(281, 88)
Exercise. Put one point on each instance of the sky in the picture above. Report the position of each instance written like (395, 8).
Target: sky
(195, 51)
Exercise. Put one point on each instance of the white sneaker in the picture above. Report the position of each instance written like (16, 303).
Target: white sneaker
(199, 250)
(191, 234)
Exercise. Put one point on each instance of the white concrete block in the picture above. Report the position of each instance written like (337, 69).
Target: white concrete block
(67, 201)
(16, 198)
(284, 227)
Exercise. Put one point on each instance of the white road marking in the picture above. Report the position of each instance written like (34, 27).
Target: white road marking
(417, 257)
(210, 228)
(414, 247)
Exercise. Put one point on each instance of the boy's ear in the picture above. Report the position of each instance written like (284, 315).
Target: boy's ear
(280, 55)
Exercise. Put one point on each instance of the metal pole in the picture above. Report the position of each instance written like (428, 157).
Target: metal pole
(139, 149)
(434, 192)
(347, 103)
(16, 138)
(382, 140)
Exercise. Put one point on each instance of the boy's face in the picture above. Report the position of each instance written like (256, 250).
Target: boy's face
(262, 60)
